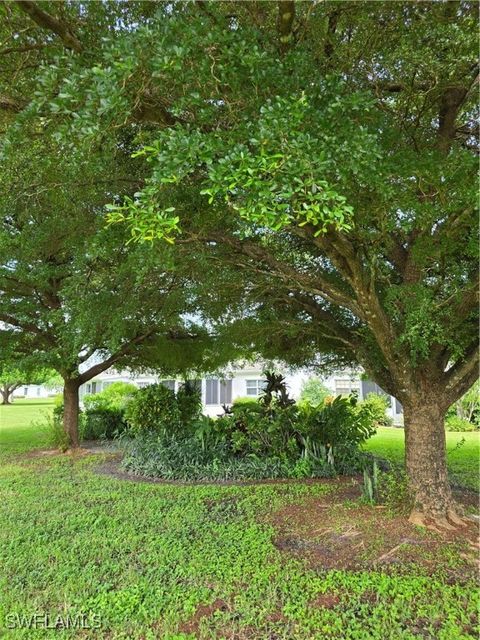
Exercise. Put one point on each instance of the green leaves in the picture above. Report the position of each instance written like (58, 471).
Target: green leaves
(145, 219)
(284, 175)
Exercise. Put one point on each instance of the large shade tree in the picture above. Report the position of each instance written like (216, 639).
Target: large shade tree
(328, 148)
(76, 297)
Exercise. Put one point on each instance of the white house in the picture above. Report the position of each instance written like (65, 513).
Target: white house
(246, 381)
(236, 382)
(32, 391)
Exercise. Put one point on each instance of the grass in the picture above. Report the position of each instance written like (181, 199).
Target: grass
(463, 453)
(177, 563)
(22, 424)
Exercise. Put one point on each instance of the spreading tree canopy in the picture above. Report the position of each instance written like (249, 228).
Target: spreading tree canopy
(325, 149)
(76, 297)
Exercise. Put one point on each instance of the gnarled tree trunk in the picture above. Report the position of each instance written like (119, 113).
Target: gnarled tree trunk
(426, 462)
(71, 411)
(5, 392)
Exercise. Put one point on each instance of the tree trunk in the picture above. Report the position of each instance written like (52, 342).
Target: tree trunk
(426, 462)
(71, 411)
(5, 391)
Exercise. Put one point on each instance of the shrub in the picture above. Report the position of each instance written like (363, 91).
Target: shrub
(336, 430)
(250, 404)
(153, 409)
(268, 441)
(102, 423)
(189, 401)
(313, 393)
(115, 396)
(104, 415)
(342, 421)
(455, 423)
(258, 431)
(378, 405)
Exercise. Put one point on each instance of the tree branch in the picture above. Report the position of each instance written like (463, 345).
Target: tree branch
(8, 103)
(123, 351)
(316, 284)
(286, 16)
(461, 376)
(26, 326)
(47, 21)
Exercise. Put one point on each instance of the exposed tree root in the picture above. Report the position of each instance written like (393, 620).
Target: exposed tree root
(417, 518)
(450, 522)
(456, 519)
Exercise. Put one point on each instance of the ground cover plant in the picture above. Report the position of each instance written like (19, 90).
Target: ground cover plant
(299, 560)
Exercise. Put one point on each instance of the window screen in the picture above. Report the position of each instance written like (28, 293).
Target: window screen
(211, 391)
(225, 391)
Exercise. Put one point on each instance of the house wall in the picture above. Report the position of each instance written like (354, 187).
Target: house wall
(32, 391)
(239, 380)
(343, 382)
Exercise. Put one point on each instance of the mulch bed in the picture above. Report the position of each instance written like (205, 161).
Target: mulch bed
(339, 532)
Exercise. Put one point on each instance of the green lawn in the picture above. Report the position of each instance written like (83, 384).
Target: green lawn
(463, 457)
(185, 562)
(22, 424)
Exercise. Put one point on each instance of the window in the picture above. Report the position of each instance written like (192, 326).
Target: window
(170, 384)
(211, 391)
(255, 387)
(225, 391)
(107, 383)
(345, 386)
(218, 391)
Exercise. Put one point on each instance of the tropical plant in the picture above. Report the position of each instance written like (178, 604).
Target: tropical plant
(370, 482)
(275, 392)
